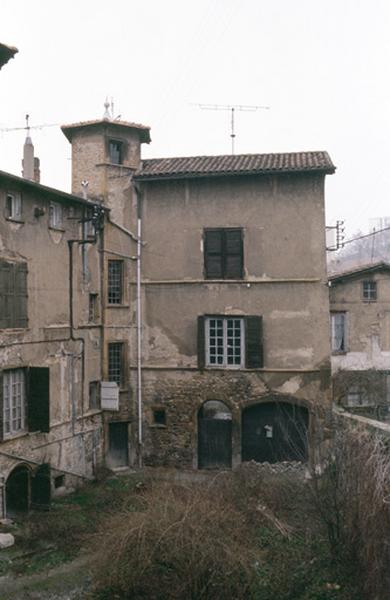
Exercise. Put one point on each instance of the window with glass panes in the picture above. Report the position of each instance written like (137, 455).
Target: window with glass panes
(115, 281)
(224, 342)
(115, 363)
(369, 290)
(14, 402)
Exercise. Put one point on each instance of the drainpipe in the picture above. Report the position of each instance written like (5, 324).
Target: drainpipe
(139, 330)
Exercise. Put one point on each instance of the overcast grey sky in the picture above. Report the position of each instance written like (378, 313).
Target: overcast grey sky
(322, 67)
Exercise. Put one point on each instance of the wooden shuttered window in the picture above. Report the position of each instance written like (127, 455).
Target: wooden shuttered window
(1, 408)
(254, 356)
(38, 399)
(201, 342)
(13, 295)
(223, 253)
(253, 341)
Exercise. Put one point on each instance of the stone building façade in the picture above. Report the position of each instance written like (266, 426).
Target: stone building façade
(196, 285)
(232, 265)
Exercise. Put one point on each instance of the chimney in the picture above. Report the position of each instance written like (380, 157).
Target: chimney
(30, 163)
(28, 159)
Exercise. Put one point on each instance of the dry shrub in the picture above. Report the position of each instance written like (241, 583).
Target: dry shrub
(353, 499)
(182, 542)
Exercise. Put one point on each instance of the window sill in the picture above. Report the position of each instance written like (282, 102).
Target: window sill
(117, 305)
(225, 279)
(14, 436)
(226, 367)
(60, 229)
(157, 426)
(339, 352)
(12, 220)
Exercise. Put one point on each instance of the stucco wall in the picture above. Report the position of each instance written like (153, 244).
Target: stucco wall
(75, 440)
(368, 323)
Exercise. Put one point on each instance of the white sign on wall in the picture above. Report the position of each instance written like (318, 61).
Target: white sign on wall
(109, 395)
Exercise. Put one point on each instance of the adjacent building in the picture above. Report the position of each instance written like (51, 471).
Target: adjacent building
(51, 433)
(360, 333)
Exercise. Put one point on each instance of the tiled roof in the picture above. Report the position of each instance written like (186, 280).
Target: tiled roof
(21, 182)
(68, 130)
(6, 52)
(202, 166)
(359, 270)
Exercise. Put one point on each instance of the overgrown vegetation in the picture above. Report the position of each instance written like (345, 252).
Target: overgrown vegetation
(250, 533)
(352, 498)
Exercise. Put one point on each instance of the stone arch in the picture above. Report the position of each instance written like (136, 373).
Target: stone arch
(214, 435)
(18, 490)
(275, 429)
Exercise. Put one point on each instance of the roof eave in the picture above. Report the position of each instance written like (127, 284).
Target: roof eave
(43, 189)
(340, 277)
(160, 176)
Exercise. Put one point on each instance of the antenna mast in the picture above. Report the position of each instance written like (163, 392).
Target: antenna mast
(233, 108)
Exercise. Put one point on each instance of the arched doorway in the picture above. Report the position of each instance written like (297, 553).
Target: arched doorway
(274, 432)
(214, 435)
(17, 491)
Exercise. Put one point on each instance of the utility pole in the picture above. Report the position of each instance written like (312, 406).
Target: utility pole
(232, 108)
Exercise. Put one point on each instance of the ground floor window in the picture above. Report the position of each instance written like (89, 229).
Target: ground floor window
(14, 402)
(224, 342)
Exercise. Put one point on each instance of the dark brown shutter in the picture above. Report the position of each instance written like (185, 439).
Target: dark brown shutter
(20, 295)
(213, 253)
(201, 343)
(41, 488)
(233, 254)
(254, 342)
(38, 399)
(6, 294)
(1, 407)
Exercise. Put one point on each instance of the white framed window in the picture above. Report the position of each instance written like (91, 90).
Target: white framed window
(225, 343)
(369, 290)
(14, 206)
(55, 215)
(14, 402)
(338, 322)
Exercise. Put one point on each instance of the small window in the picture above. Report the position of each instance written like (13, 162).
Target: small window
(230, 342)
(55, 215)
(338, 332)
(94, 396)
(357, 396)
(14, 206)
(93, 308)
(159, 416)
(13, 295)
(223, 254)
(116, 363)
(116, 152)
(115, 282)
(369, 291)
(59, 481)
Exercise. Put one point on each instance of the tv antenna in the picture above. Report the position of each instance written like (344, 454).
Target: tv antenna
(27, 127)
(232, 108)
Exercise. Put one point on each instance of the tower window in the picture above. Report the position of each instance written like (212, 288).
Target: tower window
(116, 152)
